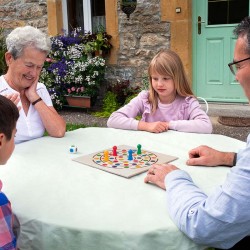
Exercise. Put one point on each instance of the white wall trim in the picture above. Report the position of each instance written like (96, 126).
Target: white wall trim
(87, 15)
(65, 15)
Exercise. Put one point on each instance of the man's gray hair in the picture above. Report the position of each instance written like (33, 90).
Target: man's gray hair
(27, 36)
(243, 30)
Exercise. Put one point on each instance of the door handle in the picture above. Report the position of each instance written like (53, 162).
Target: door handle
(199, 24)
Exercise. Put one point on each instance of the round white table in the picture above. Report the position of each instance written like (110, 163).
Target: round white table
(62, 204)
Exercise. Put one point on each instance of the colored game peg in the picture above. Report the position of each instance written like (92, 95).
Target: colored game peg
(130, 152)
(106, 155)
(139, 149)
(114, 151)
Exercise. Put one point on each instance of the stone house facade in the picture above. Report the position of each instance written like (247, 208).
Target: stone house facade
(154, 25)
(14, 13)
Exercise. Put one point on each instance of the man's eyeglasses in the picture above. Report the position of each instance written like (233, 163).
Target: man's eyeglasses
(233, 67)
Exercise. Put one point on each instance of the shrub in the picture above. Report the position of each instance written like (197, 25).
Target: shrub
(3, 49)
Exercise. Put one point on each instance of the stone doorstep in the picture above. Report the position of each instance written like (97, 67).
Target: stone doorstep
(235, 115)
(228, 110)
(227, 122)
(234, 121)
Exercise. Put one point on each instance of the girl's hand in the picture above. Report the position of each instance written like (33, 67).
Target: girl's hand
(153, 127)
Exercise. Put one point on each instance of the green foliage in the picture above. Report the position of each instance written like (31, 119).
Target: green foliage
(3, 49)
(117, 95)
(72, 126)
(110, 105)
(123, 90)
(101, 40)
(145, 83)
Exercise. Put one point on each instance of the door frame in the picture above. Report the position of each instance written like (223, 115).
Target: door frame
(194, 46)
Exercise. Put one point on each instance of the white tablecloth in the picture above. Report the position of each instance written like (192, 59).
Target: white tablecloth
(62, 204)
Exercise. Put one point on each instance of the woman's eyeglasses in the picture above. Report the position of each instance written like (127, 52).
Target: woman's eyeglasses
(233, 65)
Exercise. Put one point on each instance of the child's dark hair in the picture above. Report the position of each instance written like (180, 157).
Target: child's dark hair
(8, 116)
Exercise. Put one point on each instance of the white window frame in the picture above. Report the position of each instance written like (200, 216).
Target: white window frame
(86, 14)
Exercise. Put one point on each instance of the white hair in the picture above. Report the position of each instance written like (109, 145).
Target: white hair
(27, 36)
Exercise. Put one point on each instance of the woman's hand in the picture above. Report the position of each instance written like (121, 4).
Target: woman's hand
(31, 93)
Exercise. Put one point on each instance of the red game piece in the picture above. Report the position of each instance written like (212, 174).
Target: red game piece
(114, 151)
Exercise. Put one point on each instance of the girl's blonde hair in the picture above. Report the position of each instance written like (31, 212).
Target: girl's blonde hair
(168, 63)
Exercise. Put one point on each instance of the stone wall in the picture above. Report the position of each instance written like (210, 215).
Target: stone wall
(15, 13)
(141, 37)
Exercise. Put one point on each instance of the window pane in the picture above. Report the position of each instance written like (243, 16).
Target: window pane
(75, 14)
(227, 11)
(98, 14)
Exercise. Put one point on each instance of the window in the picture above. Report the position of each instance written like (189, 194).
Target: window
(88, 14)
(227, 11)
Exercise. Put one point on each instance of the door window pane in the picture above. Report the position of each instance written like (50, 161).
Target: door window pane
(227, 11)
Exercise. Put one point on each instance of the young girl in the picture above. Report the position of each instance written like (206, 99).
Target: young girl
(169, 103)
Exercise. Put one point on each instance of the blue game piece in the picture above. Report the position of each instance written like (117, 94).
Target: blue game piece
(130, 152)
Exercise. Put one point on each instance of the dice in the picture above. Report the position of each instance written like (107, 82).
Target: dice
(73, 149)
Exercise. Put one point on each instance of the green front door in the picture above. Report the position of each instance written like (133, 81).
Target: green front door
(213, 47)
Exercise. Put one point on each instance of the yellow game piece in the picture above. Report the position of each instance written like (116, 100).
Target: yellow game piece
(106, 155)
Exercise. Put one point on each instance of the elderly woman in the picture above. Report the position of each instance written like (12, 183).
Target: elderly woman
(27, 49)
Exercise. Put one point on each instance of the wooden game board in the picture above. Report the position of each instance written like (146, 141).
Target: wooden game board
(120, 165)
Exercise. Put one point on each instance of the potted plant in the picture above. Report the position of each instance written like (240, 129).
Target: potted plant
(99, 42)
(92, 71)
(89, 49)
(68, 71)
(76, 98)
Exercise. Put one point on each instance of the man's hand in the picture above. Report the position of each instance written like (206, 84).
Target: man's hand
(156, 174)
(154, 127)
(206, 156)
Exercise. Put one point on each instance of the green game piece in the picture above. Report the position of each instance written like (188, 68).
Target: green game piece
(139, 149)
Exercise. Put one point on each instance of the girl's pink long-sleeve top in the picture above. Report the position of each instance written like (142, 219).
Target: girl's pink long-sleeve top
(183, 114)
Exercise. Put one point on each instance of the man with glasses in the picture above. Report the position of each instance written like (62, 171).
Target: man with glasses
(221, 219)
